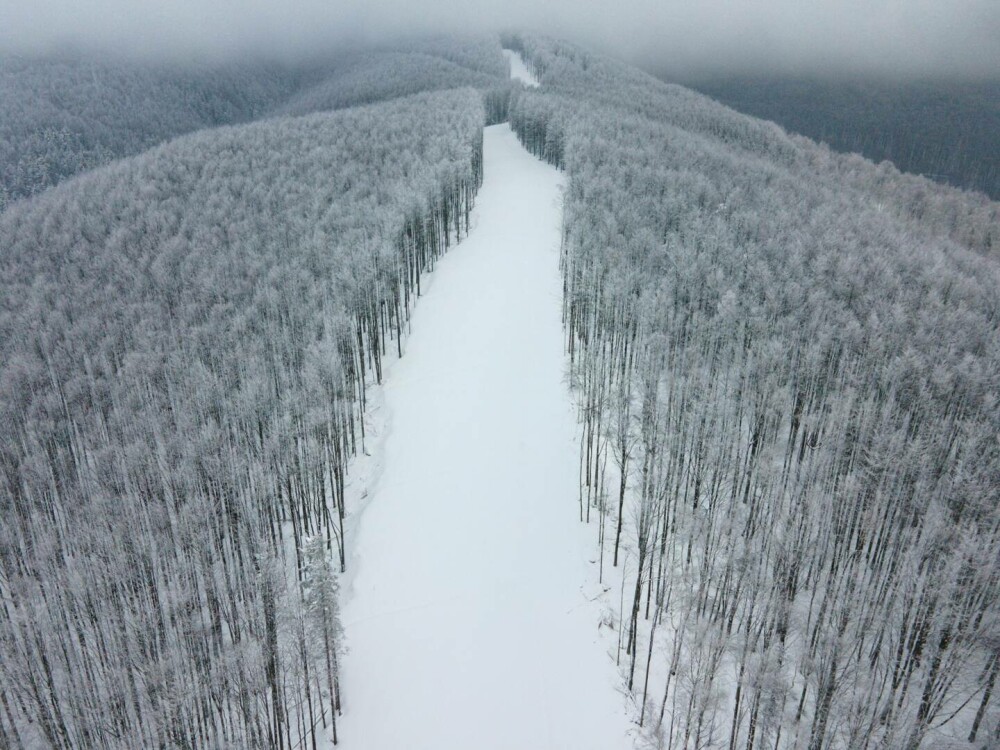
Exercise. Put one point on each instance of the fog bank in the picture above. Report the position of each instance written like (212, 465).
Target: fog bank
(683, 37)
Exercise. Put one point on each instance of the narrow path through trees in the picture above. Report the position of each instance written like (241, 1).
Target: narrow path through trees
(467, 626)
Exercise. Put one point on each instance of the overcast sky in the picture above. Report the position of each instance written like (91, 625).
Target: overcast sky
(916, 37)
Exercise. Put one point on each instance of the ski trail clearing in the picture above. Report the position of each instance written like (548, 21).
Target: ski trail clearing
(519, 70)
(466, 623)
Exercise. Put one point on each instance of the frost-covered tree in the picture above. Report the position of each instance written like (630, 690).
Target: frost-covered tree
(321, 603)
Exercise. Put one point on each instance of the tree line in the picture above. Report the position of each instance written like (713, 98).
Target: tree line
(788, 401)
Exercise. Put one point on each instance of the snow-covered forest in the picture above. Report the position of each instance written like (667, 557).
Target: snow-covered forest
(915, 124)
(785, 364)
(422, 65)
(62, 116)
(787, 369)
(186, 338)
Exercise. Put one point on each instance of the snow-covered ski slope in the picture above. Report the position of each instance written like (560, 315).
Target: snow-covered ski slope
(466, 619)
(519, 70)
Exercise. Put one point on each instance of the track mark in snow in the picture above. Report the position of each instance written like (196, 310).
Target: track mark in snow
(466, 625)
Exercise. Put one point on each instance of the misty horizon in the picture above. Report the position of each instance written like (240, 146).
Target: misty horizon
(890, 39)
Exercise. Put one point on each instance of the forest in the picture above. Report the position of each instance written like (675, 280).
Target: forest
(187, 338)
(787, 378)
(944, 130)
(65, 115)
(429, 64)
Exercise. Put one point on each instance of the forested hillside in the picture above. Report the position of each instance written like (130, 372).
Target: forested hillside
(946, 130)
(185, 338)
(374, 77)
(65, 116)
(933, 210)
(787, 364)
(479, 52)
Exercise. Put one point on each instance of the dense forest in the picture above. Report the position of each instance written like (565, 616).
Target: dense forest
(429, 64)
(186, 338)
(787, 374)
(63, 116)
(944, 130)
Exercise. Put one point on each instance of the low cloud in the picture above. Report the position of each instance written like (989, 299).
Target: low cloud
(683, 37)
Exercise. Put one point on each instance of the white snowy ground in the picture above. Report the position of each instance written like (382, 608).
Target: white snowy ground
(465, 614)
(519, 71)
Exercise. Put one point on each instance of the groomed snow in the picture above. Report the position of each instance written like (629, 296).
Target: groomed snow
(466, 621)
(519, 71)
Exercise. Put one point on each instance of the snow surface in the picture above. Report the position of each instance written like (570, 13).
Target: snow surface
(466, 619)
(519, 71)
